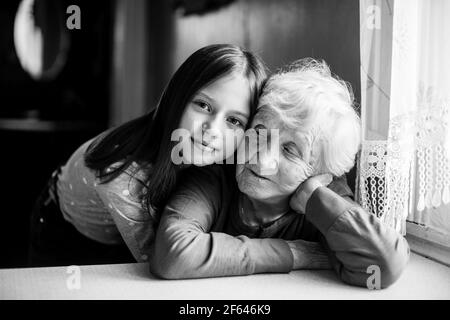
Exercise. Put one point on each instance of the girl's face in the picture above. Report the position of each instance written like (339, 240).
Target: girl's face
(215, 120)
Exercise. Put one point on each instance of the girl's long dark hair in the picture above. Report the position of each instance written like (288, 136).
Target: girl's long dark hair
(147, 139)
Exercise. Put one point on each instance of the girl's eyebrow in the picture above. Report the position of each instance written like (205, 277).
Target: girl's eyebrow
(243, 114)
(206, 96)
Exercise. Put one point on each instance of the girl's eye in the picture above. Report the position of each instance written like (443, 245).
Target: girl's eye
(236, 122)
(203, 105)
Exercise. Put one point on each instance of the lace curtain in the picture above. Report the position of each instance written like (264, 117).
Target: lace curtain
(404, 168)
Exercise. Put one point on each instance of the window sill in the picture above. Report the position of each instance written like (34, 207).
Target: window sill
(428, 243)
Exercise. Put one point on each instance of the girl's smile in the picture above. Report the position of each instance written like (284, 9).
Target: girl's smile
(202, 145)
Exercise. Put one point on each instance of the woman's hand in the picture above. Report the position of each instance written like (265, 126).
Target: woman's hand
(304, 191)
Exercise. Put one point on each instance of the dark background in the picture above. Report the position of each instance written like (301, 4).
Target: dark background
(118, 65)
(64, 112)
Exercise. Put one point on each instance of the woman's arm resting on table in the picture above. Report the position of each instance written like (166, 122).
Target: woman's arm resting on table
(356, 240)
(308, 255)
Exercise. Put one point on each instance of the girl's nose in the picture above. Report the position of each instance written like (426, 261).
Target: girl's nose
(211, 129)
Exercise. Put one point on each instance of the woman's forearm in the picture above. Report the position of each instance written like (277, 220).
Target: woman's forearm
(356, 240)
(308, 255)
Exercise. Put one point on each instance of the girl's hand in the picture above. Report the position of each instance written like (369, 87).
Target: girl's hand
(304, 191)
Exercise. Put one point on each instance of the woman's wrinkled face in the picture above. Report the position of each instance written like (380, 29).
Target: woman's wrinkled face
(276, 169)
(214, 121)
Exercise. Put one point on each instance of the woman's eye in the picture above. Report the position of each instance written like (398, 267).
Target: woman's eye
(236, 122)
(257, 129)
(203, 105)
(290, 151)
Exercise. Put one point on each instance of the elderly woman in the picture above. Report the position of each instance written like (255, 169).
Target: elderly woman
(279, 212)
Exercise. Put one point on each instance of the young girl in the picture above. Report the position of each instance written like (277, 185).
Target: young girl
(103, 205)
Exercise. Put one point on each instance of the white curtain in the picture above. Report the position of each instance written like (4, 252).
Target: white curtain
(404, 168)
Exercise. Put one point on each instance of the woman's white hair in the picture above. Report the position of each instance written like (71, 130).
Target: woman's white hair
(310, 99)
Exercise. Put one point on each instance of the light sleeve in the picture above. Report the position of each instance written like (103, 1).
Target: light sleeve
(185, 246)
(135, 224)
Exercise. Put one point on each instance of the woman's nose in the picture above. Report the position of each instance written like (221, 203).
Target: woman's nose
(268, 161)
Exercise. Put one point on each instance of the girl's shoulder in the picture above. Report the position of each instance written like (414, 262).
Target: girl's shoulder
(127, 192)
(131, 181)
(75, 169)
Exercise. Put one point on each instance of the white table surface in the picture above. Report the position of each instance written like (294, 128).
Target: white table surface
(422, 279)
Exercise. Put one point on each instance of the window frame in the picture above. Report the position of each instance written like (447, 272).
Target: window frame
(428, 242)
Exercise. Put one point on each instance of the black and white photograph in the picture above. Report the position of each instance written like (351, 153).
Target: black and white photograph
(247, 152)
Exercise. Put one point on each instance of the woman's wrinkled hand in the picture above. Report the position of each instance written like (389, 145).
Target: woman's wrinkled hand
(304, 191)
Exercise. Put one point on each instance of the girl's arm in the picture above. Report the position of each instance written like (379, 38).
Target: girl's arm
(185, 247)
